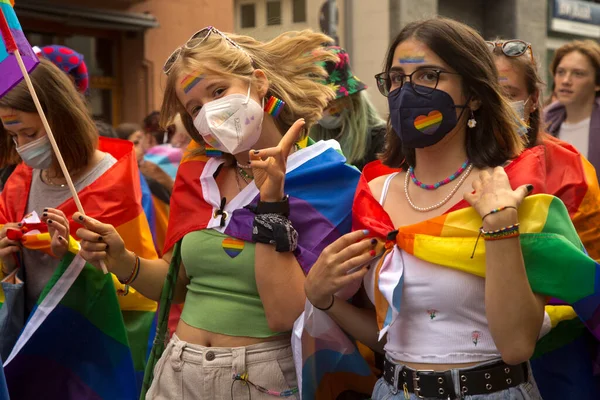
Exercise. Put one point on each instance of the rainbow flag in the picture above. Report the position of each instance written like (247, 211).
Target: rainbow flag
(444, 240)
(114, 198)
(89, 355)
(12, 34)
(166, 157)
(320, 186)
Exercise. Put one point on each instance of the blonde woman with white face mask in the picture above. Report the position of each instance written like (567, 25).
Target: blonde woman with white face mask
(245, 240)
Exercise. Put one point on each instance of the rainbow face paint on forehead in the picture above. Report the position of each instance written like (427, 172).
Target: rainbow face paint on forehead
(190, 81)
(417, 58)
(10, 120)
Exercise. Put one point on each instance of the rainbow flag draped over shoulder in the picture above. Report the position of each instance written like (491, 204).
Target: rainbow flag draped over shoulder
(548, 239)
(9, 69)
(567, 348)
(318, 181)
(114, 198)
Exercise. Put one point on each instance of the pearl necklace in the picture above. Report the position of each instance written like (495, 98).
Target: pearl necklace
(441, 203)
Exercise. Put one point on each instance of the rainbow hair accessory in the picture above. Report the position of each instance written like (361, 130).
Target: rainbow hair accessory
(274, 106)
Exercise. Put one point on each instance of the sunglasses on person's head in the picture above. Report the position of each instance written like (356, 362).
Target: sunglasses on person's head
(512, 48)
(194, 41)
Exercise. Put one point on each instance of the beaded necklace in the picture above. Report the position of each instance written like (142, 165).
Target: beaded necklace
(440, 183)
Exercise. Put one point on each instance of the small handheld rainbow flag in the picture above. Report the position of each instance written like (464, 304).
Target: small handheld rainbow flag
(13, 39)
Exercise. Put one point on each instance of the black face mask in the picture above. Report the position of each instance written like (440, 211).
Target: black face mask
(422, 120)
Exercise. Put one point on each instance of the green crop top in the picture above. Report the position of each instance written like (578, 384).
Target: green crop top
(222, 296)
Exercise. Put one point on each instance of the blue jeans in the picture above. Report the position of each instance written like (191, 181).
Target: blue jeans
(525, 391)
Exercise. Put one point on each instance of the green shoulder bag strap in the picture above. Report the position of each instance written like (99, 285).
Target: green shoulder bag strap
(164, 308)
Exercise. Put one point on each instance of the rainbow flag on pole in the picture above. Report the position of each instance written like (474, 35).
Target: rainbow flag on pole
(114, 198)
(9, 69)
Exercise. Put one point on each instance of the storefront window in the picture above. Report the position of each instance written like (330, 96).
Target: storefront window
(99, 54)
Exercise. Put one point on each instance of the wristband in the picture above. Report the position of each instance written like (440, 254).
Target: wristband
(276, 207)
(328, 307)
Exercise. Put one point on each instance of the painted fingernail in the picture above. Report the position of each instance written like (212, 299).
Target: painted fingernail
(368, 266)
(365, 231)
(19, 224)
(256, 152)
(49, 221)
(372, 253)
(99, 238)
(45, 214)
(529, 188)
(373, 242)
(45, 209)
(61, 238)
(249, 162)
(81, 217)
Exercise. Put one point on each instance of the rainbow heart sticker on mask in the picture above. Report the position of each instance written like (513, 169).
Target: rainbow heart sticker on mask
(429, 123)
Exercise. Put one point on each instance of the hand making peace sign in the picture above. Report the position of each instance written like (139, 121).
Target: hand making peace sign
(269, 165)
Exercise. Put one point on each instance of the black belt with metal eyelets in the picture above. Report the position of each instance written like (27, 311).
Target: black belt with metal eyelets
(439, 385)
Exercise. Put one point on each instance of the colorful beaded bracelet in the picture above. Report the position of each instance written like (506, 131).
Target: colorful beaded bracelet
(497, 210)
(132, 277)
(503, 233)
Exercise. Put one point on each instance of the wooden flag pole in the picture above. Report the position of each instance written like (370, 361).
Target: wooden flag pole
(59, 157)
(11, 47)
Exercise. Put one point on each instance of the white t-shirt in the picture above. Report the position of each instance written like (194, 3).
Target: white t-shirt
(577, 134)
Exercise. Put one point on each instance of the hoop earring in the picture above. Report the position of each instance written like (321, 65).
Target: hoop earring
(274, 106)
(472, 122)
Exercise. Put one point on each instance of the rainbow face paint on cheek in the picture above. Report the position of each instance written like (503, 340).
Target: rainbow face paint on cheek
(190, 81)
(10, 120)
(503, 78)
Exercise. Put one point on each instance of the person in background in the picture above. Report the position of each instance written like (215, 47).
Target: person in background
(158, 183)
(565, 178)
(350, 118)
(575, 117)
(180, 138)
(105, 129)
(68, 61)
(161, 183)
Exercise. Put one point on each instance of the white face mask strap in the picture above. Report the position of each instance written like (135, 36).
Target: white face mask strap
(248, 96)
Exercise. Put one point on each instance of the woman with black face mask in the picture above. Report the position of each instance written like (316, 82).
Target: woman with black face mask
(453, 243)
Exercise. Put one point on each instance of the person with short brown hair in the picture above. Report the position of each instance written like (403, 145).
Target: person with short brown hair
(575, 116)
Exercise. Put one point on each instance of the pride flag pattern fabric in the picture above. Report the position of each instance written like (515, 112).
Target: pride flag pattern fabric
(9, 68)
(554, 168)
(320, 186)
(114, 198)
(75, 344)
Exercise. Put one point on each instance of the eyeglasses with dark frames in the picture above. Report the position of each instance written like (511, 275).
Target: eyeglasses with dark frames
(423, 80)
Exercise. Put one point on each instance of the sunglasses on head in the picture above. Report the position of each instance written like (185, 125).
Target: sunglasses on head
(196, 40)
(512, 48)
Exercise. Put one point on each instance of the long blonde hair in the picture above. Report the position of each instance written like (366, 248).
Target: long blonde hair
(291, 63)
(355, 133)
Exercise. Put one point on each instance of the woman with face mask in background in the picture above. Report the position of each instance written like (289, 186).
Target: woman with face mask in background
(350, 118)
(569, 176)
(454, 293)
(246, 243)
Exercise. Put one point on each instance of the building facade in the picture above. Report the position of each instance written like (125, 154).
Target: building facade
(125, 44)
(365, 28)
